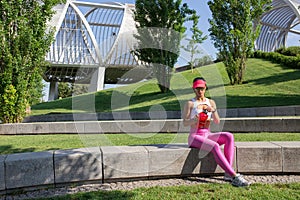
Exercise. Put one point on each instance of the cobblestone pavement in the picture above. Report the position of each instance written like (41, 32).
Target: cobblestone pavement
(145, 183)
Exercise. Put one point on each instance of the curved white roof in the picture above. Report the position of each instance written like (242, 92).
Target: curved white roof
(90, 35)
(277, 24)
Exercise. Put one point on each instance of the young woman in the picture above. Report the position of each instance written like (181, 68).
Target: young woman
(198, 114)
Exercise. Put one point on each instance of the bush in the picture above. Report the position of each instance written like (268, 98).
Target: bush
(292, 62)
(289, 51)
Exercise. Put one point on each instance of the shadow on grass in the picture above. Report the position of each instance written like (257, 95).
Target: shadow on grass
(261, 101)
(9, 149)
(99, 195)
(283, 77)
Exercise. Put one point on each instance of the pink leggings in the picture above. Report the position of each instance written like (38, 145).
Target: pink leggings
(205, 140)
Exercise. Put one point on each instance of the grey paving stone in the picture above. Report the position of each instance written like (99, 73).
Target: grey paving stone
(125, 162)
(2, 174)
(258, 157)
(285, 111)
(8, 129)
(78, 165)
(290, 156)
(29, 169)
(179, 159)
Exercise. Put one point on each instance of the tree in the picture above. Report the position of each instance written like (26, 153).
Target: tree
(233, 32)
(24, 43)
(65, 89)
(197, 38)
(160, 26)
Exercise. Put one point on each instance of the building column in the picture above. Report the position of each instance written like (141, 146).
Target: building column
(97, 81)
(53, 91)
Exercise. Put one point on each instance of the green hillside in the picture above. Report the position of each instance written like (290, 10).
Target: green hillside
(265, 84)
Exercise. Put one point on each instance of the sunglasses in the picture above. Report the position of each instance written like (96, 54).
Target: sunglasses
(200, 89)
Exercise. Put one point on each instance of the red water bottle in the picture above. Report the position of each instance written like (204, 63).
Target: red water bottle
(202, 119)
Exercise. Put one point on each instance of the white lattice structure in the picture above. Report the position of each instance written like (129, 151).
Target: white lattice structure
(277, 24)
(93, 44)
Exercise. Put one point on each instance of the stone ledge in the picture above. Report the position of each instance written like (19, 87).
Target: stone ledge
(249, 124)
(153, 115)
(109, 163)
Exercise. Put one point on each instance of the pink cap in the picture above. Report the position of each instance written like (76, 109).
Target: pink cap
(199, 84)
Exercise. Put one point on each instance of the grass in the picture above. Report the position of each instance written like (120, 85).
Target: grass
(200, 191)
(265, 84)
(35, 143)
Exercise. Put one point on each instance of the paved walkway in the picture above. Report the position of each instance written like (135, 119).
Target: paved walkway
(146, 183)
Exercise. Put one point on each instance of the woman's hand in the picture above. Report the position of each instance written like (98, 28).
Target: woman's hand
(208, 108)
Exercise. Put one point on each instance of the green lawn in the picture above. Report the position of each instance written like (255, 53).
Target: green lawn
(34, 143)
(193, 192)
(265, 84)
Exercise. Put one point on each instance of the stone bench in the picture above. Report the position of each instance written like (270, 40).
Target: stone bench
(111, 163)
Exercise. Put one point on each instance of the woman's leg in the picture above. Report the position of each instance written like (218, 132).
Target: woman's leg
(227, 139)
(209, 145)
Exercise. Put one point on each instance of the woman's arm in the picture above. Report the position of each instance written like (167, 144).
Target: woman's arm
(187, 113)
(213, 109)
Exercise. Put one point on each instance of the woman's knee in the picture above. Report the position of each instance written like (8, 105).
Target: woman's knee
(229, 136)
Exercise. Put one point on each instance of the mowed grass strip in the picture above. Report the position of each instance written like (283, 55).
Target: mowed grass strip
(35, 143)
(265, 84)
(193, 192)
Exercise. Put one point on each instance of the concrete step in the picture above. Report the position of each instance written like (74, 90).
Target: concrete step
(247, 124)
(224, 113)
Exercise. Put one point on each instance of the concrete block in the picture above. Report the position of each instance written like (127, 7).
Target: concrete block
(261, 124)
(78, 165)
(29, 169)
(258, 157)
(182, 128)
(233, 112)
(297, 110)
(125, 162)
(233, 125)
(73, 127)
(246, 112)
(58, 127)
(8, 129)
(285, 111)
(156, 126)
(2, 174)
(270, 125)
(171, 126)
(79, 127)
(252, 125)
(179, 159)
(92, 127)
(264, 111)
(290, 124)
(172, 159)
(223, 112)
(290, 156)
(110, 127)
(23, 128)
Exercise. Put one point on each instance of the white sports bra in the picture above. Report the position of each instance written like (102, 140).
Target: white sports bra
(195, 111)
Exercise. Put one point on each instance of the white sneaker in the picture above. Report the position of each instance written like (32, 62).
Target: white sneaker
(227, 177)
(239, 181)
